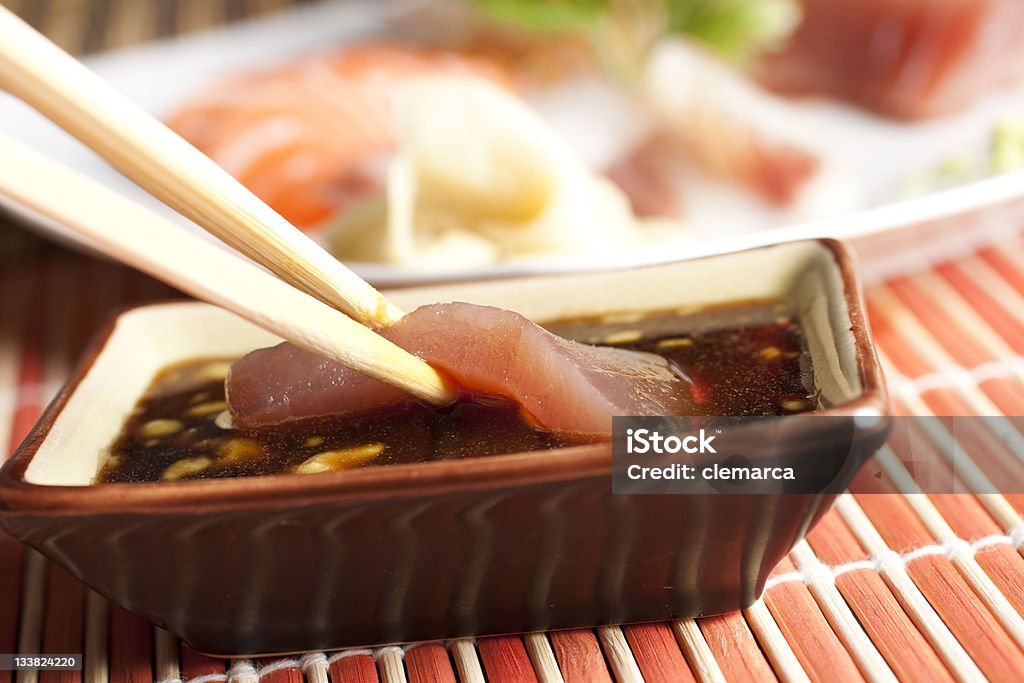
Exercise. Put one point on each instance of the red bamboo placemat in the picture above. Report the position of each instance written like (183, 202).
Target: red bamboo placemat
(887, 587)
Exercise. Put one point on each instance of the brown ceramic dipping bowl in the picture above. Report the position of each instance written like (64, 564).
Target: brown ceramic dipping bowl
(511, 543)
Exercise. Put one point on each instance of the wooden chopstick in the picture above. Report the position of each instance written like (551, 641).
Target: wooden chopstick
(62, 89)
(140, 238)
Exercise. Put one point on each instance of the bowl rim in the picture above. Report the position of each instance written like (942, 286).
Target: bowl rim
(505, 471)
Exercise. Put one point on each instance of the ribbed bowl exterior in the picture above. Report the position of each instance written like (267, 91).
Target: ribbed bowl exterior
(280, 578)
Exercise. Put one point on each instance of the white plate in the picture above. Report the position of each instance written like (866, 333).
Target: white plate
(878, 158)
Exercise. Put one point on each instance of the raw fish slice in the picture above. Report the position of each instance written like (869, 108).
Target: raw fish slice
(300, 136)
(562, 386)
(284, 383)
(907, 58)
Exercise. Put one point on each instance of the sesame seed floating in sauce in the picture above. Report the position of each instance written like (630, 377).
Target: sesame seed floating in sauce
(624, 337)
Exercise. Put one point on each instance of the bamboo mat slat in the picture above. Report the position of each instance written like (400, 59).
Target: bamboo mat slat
(901, 586)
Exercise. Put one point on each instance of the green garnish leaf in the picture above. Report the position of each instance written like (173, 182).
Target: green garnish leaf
(738, 29)
(546, 15)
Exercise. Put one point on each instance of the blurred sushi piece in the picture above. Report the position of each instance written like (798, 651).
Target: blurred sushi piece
(726, 125)
(480, 177)
(905, 58)
(305, 136)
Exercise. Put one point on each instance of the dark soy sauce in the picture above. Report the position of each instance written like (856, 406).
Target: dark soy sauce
(742, 359)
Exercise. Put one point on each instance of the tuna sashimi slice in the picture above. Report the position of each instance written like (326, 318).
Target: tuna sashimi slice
(284, 383)
(562, 386)
(906, 58)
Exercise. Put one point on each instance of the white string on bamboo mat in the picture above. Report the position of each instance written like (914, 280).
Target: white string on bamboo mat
(973, 325)
(349, 653)
(961, 553)
(821, 584)
(878, 562)
(984, 490)
(315, 667)
(390, 664)
(205, 678)
(894, 572)
(1004, 368)
(242, 671)
(1007, 362)
(925, 344)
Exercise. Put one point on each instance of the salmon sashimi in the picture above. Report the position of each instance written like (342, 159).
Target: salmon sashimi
(726, 125)
(906, 58)
(562, 386)
(304, 137)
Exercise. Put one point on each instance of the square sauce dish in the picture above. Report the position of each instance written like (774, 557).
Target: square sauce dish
(516, 542)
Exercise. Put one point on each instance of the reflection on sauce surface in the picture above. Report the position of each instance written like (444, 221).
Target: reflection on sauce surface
(743, 359)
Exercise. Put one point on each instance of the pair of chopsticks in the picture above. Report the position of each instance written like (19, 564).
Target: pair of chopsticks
(317, 303)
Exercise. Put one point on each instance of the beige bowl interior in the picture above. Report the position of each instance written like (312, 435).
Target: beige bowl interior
(147, 339)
